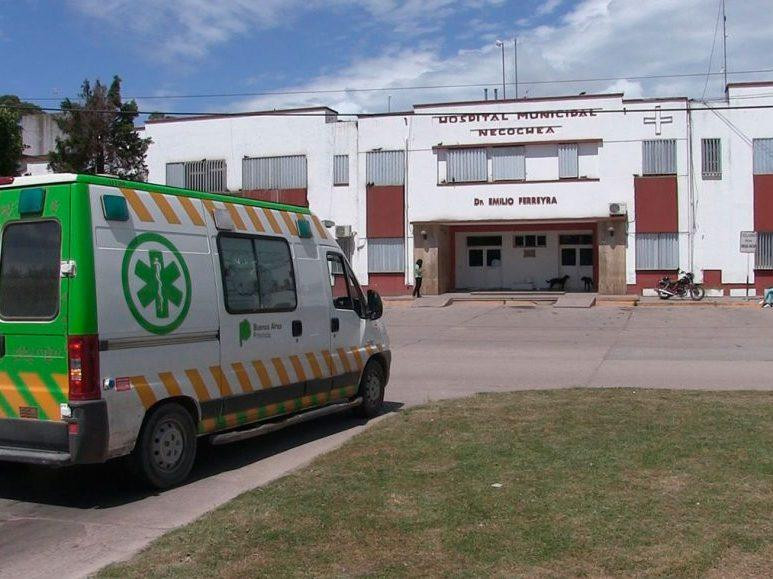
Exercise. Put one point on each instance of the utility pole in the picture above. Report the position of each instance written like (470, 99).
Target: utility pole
(501, 45)
(724, 41)
(515, 63)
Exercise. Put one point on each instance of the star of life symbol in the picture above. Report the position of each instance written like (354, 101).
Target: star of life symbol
(156, 283)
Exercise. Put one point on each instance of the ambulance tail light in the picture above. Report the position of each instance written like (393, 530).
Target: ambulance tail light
(83, 360)
(6, 180)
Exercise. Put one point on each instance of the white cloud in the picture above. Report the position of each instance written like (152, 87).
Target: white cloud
(591, 39)
(548, 7)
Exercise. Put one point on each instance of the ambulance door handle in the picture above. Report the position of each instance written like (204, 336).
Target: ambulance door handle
(335, 325)
(297, 328)
(2, 346)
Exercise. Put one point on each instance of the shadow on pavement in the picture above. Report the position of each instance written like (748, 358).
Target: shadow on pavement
(103, 486)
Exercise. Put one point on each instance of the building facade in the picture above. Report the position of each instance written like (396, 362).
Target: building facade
(598, 191)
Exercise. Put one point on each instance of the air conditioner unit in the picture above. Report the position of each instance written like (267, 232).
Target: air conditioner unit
(618, 209)
(343, 231)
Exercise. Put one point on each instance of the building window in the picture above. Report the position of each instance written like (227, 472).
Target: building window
(484, 240)
(386, 255)
(475, 258)
(568, 167)
(257, 274)
(763, 259)
(657, 251)
(206, 175)
(340, 169)
(508, 164)
(586, 256)
(763, 156)
(287, 172)
(659, 157)
(385, 168)
(466, 165)
(711, 158)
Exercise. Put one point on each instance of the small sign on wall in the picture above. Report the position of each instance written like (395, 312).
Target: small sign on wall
(748, 242)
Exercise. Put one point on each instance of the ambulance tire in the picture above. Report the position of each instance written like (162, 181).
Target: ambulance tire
(371, 390)
(166, 447)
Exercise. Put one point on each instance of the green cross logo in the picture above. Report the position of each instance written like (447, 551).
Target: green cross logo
(156, 283)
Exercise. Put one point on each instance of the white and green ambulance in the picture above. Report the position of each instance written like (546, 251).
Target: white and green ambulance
(137, 318)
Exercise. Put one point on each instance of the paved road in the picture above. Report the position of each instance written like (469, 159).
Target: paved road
(71, 522)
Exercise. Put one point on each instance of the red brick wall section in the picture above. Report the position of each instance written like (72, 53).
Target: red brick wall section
(763, 279)
(649, 279)
(712, 278)
(388, 284)
(655, 200)
(386, 211)
(287, 196)
(763, 202)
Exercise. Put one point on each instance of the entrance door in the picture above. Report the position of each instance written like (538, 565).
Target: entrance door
(484, 261)
(576, 258)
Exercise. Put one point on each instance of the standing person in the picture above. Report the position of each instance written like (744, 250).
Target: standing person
(417, 275)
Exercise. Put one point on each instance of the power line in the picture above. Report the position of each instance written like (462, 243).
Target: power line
(464, 113)
(713, 44)
(416, 87)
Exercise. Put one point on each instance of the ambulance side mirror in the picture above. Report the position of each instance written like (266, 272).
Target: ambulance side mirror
(375, 305)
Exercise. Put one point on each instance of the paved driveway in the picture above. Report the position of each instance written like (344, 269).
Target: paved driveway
(73, 521)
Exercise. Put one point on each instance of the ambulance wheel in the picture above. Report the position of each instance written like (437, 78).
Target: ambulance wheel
(166, 447)
(371, 390)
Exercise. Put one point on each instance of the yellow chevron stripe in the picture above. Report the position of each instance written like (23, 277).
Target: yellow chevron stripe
(137, 205)
(221, 380)
(331, 367)
(144, 391)
(316, 369)
(11, 394)
(41, 394)
(320, 228)
(265, 379)
(170, 383)
(166, 208)
(291, 226)
(344, 359)
(279, 366)
(237, 219)
(199, 386)
(272, 220)
(193, 213)
(242, 376)
(357, 357)
(298, 367)
(253, 215)
(209, 205)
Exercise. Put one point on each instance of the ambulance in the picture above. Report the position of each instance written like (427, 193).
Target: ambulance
(137, 319)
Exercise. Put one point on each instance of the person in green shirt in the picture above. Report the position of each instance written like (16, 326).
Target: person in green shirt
(417, 275)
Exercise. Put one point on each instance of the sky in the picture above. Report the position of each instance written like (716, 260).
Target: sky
(163, 48)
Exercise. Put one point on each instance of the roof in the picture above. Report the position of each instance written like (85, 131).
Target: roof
(523, 100)
(750, 84)
(58, 178)
(274, 112)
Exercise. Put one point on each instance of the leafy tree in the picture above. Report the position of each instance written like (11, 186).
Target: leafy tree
(100, 136)
(155, 116)
(11, 146)
(21, 107)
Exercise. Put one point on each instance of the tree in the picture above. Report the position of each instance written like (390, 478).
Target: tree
(21, 107)
(100, 136)
(11, 146)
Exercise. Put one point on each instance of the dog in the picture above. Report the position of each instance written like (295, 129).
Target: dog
(558, 282)
(588, 281)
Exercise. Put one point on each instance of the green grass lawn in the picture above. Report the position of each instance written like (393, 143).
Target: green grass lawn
(593, 482)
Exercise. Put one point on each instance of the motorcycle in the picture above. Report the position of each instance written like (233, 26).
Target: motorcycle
(680, 287)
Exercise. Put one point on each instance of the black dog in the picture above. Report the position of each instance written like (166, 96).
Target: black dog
(558, 282)
(588, 281)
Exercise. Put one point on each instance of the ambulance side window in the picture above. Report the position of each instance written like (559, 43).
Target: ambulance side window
(257, 274)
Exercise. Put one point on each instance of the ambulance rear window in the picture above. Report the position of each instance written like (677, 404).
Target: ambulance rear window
(29, 270)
